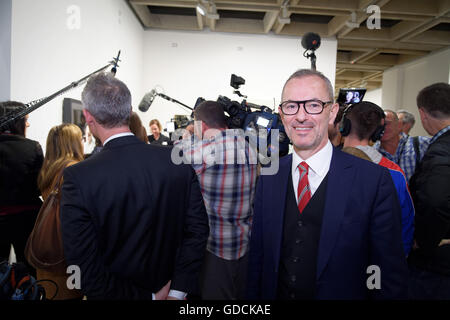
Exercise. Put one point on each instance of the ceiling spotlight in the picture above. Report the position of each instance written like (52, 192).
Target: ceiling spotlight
(201, 9)
(211, 13)
(213, 16)
(283, 17)
(284, 20)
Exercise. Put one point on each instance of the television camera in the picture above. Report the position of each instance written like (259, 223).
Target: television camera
(241, 116)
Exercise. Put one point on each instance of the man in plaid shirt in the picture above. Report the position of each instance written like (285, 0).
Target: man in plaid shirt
(226, 168)
(400, 148)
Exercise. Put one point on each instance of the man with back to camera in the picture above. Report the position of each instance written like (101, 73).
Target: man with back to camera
(227, 173)
(133, 229)
(429, 260)
(405, 151)
(364, 122)
(326, 217)
(406, 121)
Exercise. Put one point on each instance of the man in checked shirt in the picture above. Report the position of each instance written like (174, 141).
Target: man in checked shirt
(226, 167)
(404, 150)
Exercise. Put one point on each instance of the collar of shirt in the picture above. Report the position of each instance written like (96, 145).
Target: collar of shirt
(440, 133)
(123, 134)
(371, 152)
(319, 164)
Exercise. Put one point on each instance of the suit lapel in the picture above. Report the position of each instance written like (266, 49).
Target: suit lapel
(277, 194)
(340, 178)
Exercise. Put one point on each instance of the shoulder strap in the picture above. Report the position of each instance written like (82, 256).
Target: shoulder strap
(58, 181)
(416, 149)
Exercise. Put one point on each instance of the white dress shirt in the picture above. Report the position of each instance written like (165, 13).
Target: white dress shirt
(319, 164)
(123, 134)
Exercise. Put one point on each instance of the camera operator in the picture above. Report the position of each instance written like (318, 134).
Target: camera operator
(228, 188)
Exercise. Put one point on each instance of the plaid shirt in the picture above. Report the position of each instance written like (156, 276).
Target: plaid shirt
(405, 155)
(227, 169)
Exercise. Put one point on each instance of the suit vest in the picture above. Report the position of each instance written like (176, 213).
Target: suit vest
(300, 244)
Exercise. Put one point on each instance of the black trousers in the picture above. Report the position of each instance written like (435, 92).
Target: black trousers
(15, 229)
(425, 285)
(222, 279)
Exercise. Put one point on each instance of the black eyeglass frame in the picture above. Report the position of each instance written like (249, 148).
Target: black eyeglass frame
(303, 102)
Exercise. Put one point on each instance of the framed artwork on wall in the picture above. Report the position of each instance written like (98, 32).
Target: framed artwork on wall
(73, 113)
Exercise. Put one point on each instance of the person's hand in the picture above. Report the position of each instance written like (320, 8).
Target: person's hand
(443, 242)
(172, 298)
(163, 292)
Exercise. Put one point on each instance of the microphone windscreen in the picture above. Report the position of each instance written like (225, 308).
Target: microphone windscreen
(311, 41)
(146, 101)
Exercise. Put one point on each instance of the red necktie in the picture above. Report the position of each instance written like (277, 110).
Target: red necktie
(303, 190)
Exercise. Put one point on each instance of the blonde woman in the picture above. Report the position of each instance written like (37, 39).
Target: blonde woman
(157, 137)
(64, 148)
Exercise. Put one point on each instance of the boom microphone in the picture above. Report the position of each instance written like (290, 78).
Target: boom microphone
(311, 41)
(147, 100)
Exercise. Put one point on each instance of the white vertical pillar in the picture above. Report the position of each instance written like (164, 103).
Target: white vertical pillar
(5, 49)
(393, 80)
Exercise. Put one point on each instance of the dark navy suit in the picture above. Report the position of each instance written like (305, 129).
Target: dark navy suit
(361, 227)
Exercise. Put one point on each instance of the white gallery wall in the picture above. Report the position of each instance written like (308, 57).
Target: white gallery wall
(188, 65)
(56, 42)
(374, 96)
(402, 83)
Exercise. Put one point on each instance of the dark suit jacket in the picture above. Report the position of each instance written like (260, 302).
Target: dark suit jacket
(361, 227)
(20, 162)
(430, 189)
(132, 220)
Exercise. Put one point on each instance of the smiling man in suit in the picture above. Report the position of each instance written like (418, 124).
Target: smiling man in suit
(133, 221)
(326, 219)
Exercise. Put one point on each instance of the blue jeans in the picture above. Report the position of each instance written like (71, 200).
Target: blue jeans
(425, 285)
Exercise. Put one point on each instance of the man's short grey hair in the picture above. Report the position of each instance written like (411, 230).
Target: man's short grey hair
(408, 117)
(309, 72)
(394, 114)
(108, 100)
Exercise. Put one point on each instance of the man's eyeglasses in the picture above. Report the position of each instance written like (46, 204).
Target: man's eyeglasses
(313, 106)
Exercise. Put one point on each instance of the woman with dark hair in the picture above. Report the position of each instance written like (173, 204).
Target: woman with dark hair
(156, 137)
(64, 148)
(20, 162)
